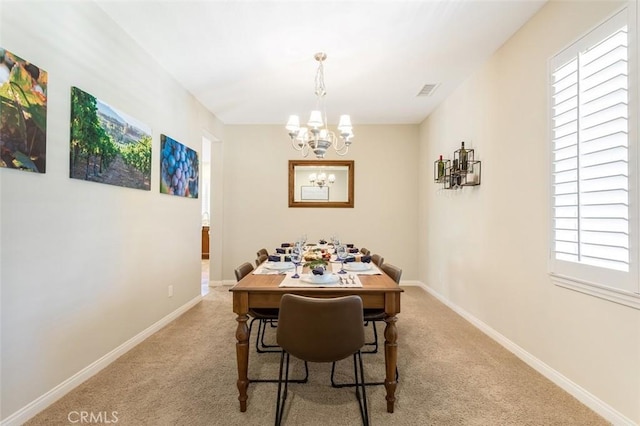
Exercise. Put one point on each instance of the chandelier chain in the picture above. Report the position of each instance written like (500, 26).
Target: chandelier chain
(321, 89)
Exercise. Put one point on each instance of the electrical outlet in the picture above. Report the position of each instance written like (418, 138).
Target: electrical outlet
(170, 291)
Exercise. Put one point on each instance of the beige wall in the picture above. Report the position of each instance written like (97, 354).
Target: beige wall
(485, 249)
(85, 266)
(256, 212)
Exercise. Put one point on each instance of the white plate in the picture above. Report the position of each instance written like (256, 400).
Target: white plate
(357, 266)
(278, 266)
(320, 279)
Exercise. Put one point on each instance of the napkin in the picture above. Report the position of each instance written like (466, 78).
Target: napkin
(349, 245)
(285, 245)
(318, 271)
(365, 259)
(281, 251)
(287, 258)
(274, 258)
(353, 250)
(350, 259)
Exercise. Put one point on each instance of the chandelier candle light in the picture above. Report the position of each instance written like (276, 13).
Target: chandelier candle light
(317, 137)
(321, 180)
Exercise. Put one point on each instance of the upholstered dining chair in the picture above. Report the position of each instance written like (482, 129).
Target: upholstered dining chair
(243, 270)
(261, 258)
(265, 317)
(365, 251)
(262, 251)
(379, 262)
(373, 316)
(321, 330)
(377, 315)
(393, 271)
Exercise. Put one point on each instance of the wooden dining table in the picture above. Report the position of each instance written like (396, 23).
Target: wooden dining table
(263, 291)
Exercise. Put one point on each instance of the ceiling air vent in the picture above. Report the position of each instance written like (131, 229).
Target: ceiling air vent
(427, 90)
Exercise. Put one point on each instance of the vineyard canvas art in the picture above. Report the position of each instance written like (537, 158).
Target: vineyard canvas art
(178, 168)
(107, 145)
(23, 114)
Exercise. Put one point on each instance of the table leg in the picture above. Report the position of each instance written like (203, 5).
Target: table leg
(242, 359)
(391, 360)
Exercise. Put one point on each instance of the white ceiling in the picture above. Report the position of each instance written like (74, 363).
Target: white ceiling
(251, 62)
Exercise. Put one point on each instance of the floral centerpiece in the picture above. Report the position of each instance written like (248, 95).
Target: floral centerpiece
(317, 253)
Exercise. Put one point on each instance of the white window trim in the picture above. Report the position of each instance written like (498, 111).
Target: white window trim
(625, 298)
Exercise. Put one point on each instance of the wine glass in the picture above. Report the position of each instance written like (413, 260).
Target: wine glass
(342, 254)
(296, 257)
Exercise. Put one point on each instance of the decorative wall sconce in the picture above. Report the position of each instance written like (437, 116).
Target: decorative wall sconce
(464, 170)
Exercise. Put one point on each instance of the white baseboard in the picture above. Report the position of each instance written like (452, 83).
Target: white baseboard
(36, 406)
(581, 394)
(411, 283)
(590, 400)
(222, 283)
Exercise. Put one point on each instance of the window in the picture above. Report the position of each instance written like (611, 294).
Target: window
(593, 123)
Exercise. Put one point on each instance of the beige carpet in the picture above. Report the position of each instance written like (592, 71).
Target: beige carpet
(450, 374)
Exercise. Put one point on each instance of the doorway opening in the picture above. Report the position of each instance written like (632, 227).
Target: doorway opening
(206, 212)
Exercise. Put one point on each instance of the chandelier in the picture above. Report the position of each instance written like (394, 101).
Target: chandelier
(321, 179)
(317, 137)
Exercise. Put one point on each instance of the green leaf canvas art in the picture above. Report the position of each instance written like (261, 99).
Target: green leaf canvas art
(23, 114)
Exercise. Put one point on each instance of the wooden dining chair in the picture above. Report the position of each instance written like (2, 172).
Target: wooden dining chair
(377, 259)
(373, 316)
(321, 330)
(365, 251)
(262, 251)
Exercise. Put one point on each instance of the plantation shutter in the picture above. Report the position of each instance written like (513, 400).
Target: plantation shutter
(590, 156)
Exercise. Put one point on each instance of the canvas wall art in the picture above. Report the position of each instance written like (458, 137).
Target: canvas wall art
(23, 114)
(107, 145)
(178, 168)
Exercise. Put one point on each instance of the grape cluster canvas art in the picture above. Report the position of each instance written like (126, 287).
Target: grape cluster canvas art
(178, 168)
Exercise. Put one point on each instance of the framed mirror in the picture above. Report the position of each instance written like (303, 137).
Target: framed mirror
(326, 183)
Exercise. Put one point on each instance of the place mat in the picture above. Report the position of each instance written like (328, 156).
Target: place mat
(335, 267)
(297, 282)
(264, 270)
(356, 256)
